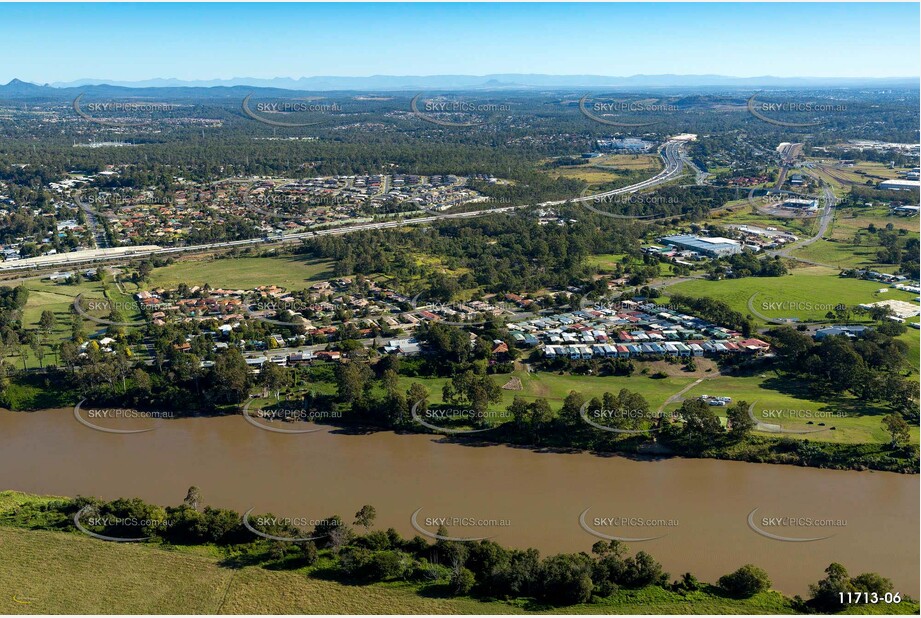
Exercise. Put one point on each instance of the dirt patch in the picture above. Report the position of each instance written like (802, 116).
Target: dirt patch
(675, 371)
(513, 385)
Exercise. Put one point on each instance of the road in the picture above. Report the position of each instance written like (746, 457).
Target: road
(99, 234)
(671, 155)
(674, 164)
(828, 214)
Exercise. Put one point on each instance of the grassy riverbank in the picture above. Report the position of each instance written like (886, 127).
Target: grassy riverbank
(49, 572)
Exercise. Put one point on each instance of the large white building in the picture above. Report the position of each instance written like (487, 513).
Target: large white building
(713, 246)
(900, 185)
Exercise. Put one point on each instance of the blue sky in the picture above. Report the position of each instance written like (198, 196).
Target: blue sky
(63, 42)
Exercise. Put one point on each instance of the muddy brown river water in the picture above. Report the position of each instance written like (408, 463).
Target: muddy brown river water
(704, 516)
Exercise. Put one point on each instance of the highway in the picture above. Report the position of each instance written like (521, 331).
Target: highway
(674, 164)
(670, 153)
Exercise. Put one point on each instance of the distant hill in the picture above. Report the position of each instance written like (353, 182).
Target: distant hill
(513, 81)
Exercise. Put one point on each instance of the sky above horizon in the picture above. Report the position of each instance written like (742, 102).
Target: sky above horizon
(47, 43)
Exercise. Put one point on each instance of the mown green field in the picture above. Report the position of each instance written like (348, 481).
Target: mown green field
(58, 298)
(291, 272)
(843, 254)
(606, 263)
(806, 294)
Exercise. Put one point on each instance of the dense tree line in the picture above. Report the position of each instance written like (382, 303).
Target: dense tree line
(713, 310)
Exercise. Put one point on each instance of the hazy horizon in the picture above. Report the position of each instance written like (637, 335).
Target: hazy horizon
(202, 42)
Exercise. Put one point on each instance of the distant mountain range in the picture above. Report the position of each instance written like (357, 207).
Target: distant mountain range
(513, 81)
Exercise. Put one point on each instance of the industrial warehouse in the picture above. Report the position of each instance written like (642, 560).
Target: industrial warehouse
(710, 246)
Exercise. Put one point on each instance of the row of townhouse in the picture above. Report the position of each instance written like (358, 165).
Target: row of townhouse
(634, 350)
(630, 329)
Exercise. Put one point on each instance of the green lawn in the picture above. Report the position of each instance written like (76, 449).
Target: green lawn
(58, 298)
(555, 387)
(290, 272)
(790, 399)
(843, 254)
(805, 294)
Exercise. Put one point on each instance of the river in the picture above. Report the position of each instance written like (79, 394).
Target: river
(697, 514)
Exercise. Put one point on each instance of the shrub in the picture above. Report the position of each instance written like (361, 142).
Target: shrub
(747, 581)
(462, 580)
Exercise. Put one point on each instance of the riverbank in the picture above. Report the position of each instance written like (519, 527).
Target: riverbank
(93, 576)
(808, 445)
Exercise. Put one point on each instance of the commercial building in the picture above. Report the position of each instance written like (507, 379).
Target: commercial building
(627, 144)
(714, 246)
(796, 203)
(833, 331)
(900, 185)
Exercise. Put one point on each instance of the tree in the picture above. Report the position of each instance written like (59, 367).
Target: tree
(745, 582)
(566, 579)
(144, 271)
(898, 429)
(193, 498)
(46, 321)
(141, 381)
(473, 389)
(38, 348)
(274, 377)
(572, 407)
(826, 592)
(872, 582)
(462, 579)
(352, 381)
(701, 424)
(230, 377)
(365, 517)
(740, 421)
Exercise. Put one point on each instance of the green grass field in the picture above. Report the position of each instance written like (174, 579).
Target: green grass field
(290, 272)
(799, 293)
(855, 421)
(788, 403)
(606, 263)
(554, 387)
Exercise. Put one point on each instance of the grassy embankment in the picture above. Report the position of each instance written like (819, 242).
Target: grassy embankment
(60, 572)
